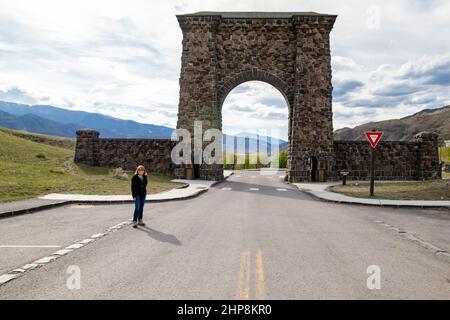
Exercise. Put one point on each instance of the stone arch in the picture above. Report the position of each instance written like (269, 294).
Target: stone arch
(288, 50)
(253, 74)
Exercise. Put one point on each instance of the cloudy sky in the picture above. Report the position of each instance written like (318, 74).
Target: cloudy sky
(122, 58)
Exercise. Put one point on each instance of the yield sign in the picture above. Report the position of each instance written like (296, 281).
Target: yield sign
(374, 137)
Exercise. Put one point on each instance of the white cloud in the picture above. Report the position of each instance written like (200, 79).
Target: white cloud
(253, 106)
(122, 58)
(394, 91)
(16, 94)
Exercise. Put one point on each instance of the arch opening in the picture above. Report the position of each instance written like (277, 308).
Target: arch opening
(255, 126)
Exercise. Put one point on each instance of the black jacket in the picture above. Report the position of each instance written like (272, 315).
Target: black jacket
(138, 186)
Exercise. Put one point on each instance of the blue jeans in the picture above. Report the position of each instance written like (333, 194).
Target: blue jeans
(139, 208)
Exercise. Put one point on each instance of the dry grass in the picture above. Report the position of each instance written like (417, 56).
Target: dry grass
(29, 169)
(414, 190)
(66, 143)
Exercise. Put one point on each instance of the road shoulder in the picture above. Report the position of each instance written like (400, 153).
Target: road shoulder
(321, 191)
(190, 189)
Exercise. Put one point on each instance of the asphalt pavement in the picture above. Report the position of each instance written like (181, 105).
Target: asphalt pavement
(250, 237)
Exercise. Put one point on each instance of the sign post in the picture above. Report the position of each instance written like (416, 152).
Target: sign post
(372, 172)
(374, 137)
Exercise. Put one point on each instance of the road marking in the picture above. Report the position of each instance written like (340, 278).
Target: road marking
(80, 206)
(45, 260)
(86, 241)
(62, 252)
(408, 236)
(29, 266)
(238, 176)
(253, 176)
(4, 278)
(98, 235)
(254, 189)
(260, 287)
(281, 189)
(226, 189)
(244, 276)
(75, 246)
(26, 246)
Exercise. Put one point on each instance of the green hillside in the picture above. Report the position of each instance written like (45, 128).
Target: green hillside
(29, 169)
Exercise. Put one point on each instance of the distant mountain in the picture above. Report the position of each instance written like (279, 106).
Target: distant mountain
(281, 143)
(404, 129)
(32, 123)
(62, 122)
(108, 127)
(248, 143)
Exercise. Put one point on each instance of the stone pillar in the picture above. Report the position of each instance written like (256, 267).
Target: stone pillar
(86, 147)
(428, 162)
(198, 83)
(311, 132)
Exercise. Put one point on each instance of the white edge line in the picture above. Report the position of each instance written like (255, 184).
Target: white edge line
(18, 272)
(408, 236)
(26, 246)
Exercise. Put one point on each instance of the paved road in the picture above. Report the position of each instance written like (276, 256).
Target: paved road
(252, 237)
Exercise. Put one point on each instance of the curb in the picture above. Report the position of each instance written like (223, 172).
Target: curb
(380, 204)
(9, 214)
(220, 181)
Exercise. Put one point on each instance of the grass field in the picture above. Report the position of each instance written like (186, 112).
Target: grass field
(33, 165)
(233, 161)
(415, 190)
(444, 153)
(66, 143)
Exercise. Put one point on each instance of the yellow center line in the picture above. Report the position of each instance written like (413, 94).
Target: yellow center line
(244, 276)
(260, 287)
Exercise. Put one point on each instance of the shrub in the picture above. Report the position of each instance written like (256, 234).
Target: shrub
(41, 156)
(283, 159)
(119, 173)
(58, 170)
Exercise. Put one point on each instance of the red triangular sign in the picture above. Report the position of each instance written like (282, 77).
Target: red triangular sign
(374, 137)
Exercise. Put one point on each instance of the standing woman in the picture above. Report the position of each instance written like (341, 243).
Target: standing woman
(139, 192)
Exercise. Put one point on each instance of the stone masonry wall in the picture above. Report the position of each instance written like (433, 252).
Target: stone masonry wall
(395, 160)
(154, 154)
(290, 51)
